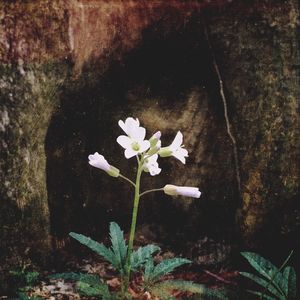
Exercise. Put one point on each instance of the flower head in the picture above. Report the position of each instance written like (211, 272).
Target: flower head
(132, 128)
(134, 142)
(175, 149)
(151, 165)
(188, 191)
(98, 161)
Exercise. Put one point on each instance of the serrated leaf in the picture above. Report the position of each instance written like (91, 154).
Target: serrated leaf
(265, 268)
(140, 256)
(87, 278)
(290, 287)
(118, 244)
(67, 276)
(99, 248)
(261, 295)
(187, 286)
(160, 293)
(166, 266)
(264, 283)
(97, 290)
(149, 267)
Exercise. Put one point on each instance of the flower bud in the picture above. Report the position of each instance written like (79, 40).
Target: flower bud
(165, 152)
(187, 191)
(98, 161)
(155, 148)
(154, 139)
(113, 171)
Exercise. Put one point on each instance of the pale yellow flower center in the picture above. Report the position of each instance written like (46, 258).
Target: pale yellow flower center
(135, 146)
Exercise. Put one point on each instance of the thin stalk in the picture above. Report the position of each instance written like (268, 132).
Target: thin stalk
(150, 191)
(127, 179)
(134, 219)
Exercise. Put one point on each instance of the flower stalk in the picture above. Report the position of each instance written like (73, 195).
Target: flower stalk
(134, 217)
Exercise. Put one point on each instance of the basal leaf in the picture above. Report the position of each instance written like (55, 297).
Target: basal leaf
(264, 283)
(166, 266)
(290, 287)
(99, 248)
(149, 268)
(118, 244)
(140, 256)
(169, 286)
(97, 290)
(261, 295)
(265, 268)
(87, 278)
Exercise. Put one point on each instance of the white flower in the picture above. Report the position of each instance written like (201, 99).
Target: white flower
(134, 143)
(132, 128)
(98, 161)
(188, 191)
(151, 165)
(175, 149)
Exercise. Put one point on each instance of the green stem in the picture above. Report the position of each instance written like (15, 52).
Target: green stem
(127, 179)
(150, 191)
(134, 219)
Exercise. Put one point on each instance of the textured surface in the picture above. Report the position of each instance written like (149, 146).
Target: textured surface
(70, 70)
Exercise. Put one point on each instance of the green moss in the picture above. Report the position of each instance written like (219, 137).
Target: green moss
(29, 96)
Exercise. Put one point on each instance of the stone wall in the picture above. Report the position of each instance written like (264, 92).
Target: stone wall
(71, 70)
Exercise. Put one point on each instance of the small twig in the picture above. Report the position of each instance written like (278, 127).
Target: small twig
(228, 125)
(217, 277)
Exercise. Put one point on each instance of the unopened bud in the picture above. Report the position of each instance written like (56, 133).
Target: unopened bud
(165, 152)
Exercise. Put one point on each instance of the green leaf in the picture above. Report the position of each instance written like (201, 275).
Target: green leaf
(24, 296)
(118, 244)
(265, 268)
(186, 286)
(166, 266)
(100, 289)
(140, 256)
(149, 267)
(290, 287)
(31, 277)
(261, 295)
(99, 248)
(264, 283)
(87, 278)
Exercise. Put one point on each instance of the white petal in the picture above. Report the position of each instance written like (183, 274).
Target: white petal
(157, 135)
(122, 125)
(153, 159)
(177, 141)
(188, 191)
(180, 154)
(129, 152)
(132, 126)
(138, 133)
(154, 170)
(98, 161)
(144, 145)
(124, 141)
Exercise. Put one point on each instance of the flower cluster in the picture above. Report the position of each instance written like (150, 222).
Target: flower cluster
(147, 152)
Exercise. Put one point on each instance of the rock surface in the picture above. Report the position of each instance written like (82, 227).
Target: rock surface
(71, 70)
